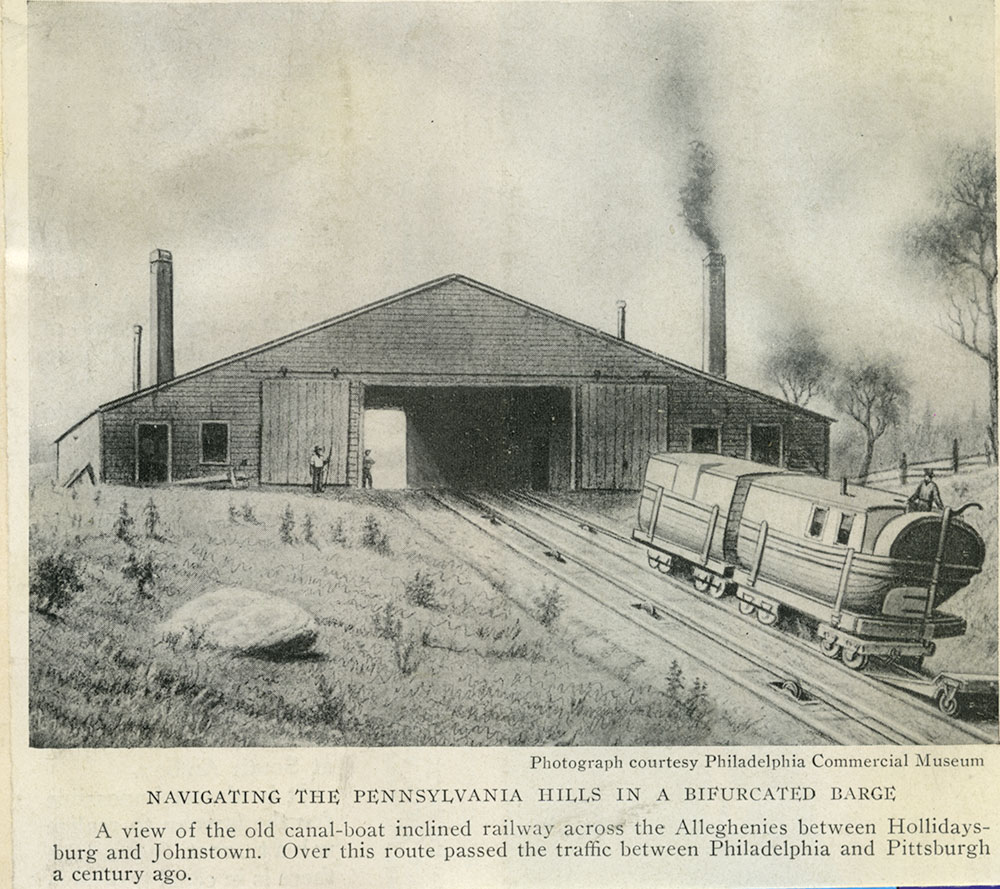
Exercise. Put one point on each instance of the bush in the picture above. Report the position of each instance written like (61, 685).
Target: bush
(675, 680)
(287, 526)
(125, 525)
(331, 709)
(550, 605)
(420, 590)
(248, 515)
(336, 532)
(54, 581)
(308, 535)
(234, 516)
(373, 537)
(142, 570)
(152, 519)
(388, 624)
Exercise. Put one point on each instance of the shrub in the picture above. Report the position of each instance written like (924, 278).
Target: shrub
(420, 590)
(234, 515)
(142, 570)
(388, 624)
(152, 519)
(54, 581)
(405, 651)
(307, 531)
(125, 525)
(550, 605)
(287, 526)
(675, 680)
(373, 537)
(336, 532)
(248, 515)
(332, 706)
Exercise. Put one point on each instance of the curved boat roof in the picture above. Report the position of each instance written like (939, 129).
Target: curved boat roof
(798, 484)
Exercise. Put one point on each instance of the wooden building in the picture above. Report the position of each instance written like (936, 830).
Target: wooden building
(496, 392)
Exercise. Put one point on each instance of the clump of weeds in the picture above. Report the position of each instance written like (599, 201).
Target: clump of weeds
(286, 530)
(373, 537)
(124, 528)
(549, 605)
(54, 582)
(421, 590)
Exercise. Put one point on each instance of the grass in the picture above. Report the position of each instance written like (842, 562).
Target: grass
(415, 646)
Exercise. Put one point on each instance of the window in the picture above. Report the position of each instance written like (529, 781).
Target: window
(818, 521)
(765, 444)
(844, 531)
(705, 440)
(214, 442)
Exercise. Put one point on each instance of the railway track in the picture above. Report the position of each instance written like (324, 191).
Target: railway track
(843, 708)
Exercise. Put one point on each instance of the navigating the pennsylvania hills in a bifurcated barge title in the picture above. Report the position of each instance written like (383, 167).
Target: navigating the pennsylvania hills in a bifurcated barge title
(456, 516)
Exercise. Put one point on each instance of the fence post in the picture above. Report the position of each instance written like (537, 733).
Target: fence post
(954, 455)
(902, 469)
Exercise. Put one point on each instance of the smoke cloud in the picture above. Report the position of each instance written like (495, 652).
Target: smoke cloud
(696, 194)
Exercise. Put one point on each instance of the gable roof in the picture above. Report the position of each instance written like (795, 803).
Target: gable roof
(605, 338)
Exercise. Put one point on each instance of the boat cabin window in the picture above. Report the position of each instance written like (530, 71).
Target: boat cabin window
(844, 530)
(817, 522)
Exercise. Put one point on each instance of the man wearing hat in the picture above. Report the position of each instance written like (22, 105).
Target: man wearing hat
(927, 496)
(317, 465)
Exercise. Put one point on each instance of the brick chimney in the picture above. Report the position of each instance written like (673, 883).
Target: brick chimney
(714, 315)
(161, 321)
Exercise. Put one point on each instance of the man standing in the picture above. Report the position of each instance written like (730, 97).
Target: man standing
(366, 470)
(927, 496)
(317, 464)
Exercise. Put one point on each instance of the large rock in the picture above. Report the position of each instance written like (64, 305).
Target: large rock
(244, 621)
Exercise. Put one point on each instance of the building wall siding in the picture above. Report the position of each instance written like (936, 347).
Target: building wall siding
(453, 334)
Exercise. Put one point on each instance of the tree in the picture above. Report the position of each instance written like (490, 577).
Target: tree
(875, 394)
(959, 243)
(800, 366)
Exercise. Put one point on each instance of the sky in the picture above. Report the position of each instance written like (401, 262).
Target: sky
(303, 160)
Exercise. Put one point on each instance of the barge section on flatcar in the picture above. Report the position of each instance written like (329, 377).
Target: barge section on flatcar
(870, 574)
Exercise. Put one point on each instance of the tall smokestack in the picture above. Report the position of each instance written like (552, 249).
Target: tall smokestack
(714, 314)
(137, 358)
(621, 318)
(161, 310)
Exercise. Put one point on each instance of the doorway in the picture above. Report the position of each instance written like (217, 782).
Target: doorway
(385, 436)
(152, 447)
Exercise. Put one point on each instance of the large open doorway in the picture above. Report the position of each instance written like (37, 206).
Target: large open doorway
(478, 436)
(385, 447)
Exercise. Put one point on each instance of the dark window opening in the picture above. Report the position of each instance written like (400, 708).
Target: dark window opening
(765, 444)
(844, 531)
(705, 440)
(214, 442)
(818, 521)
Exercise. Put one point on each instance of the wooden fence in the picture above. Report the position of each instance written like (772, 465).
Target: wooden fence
(906, 472)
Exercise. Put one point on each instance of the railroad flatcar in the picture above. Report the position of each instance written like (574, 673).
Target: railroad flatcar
(871, 574)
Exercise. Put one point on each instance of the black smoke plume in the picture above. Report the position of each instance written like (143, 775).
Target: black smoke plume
(696, 194)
